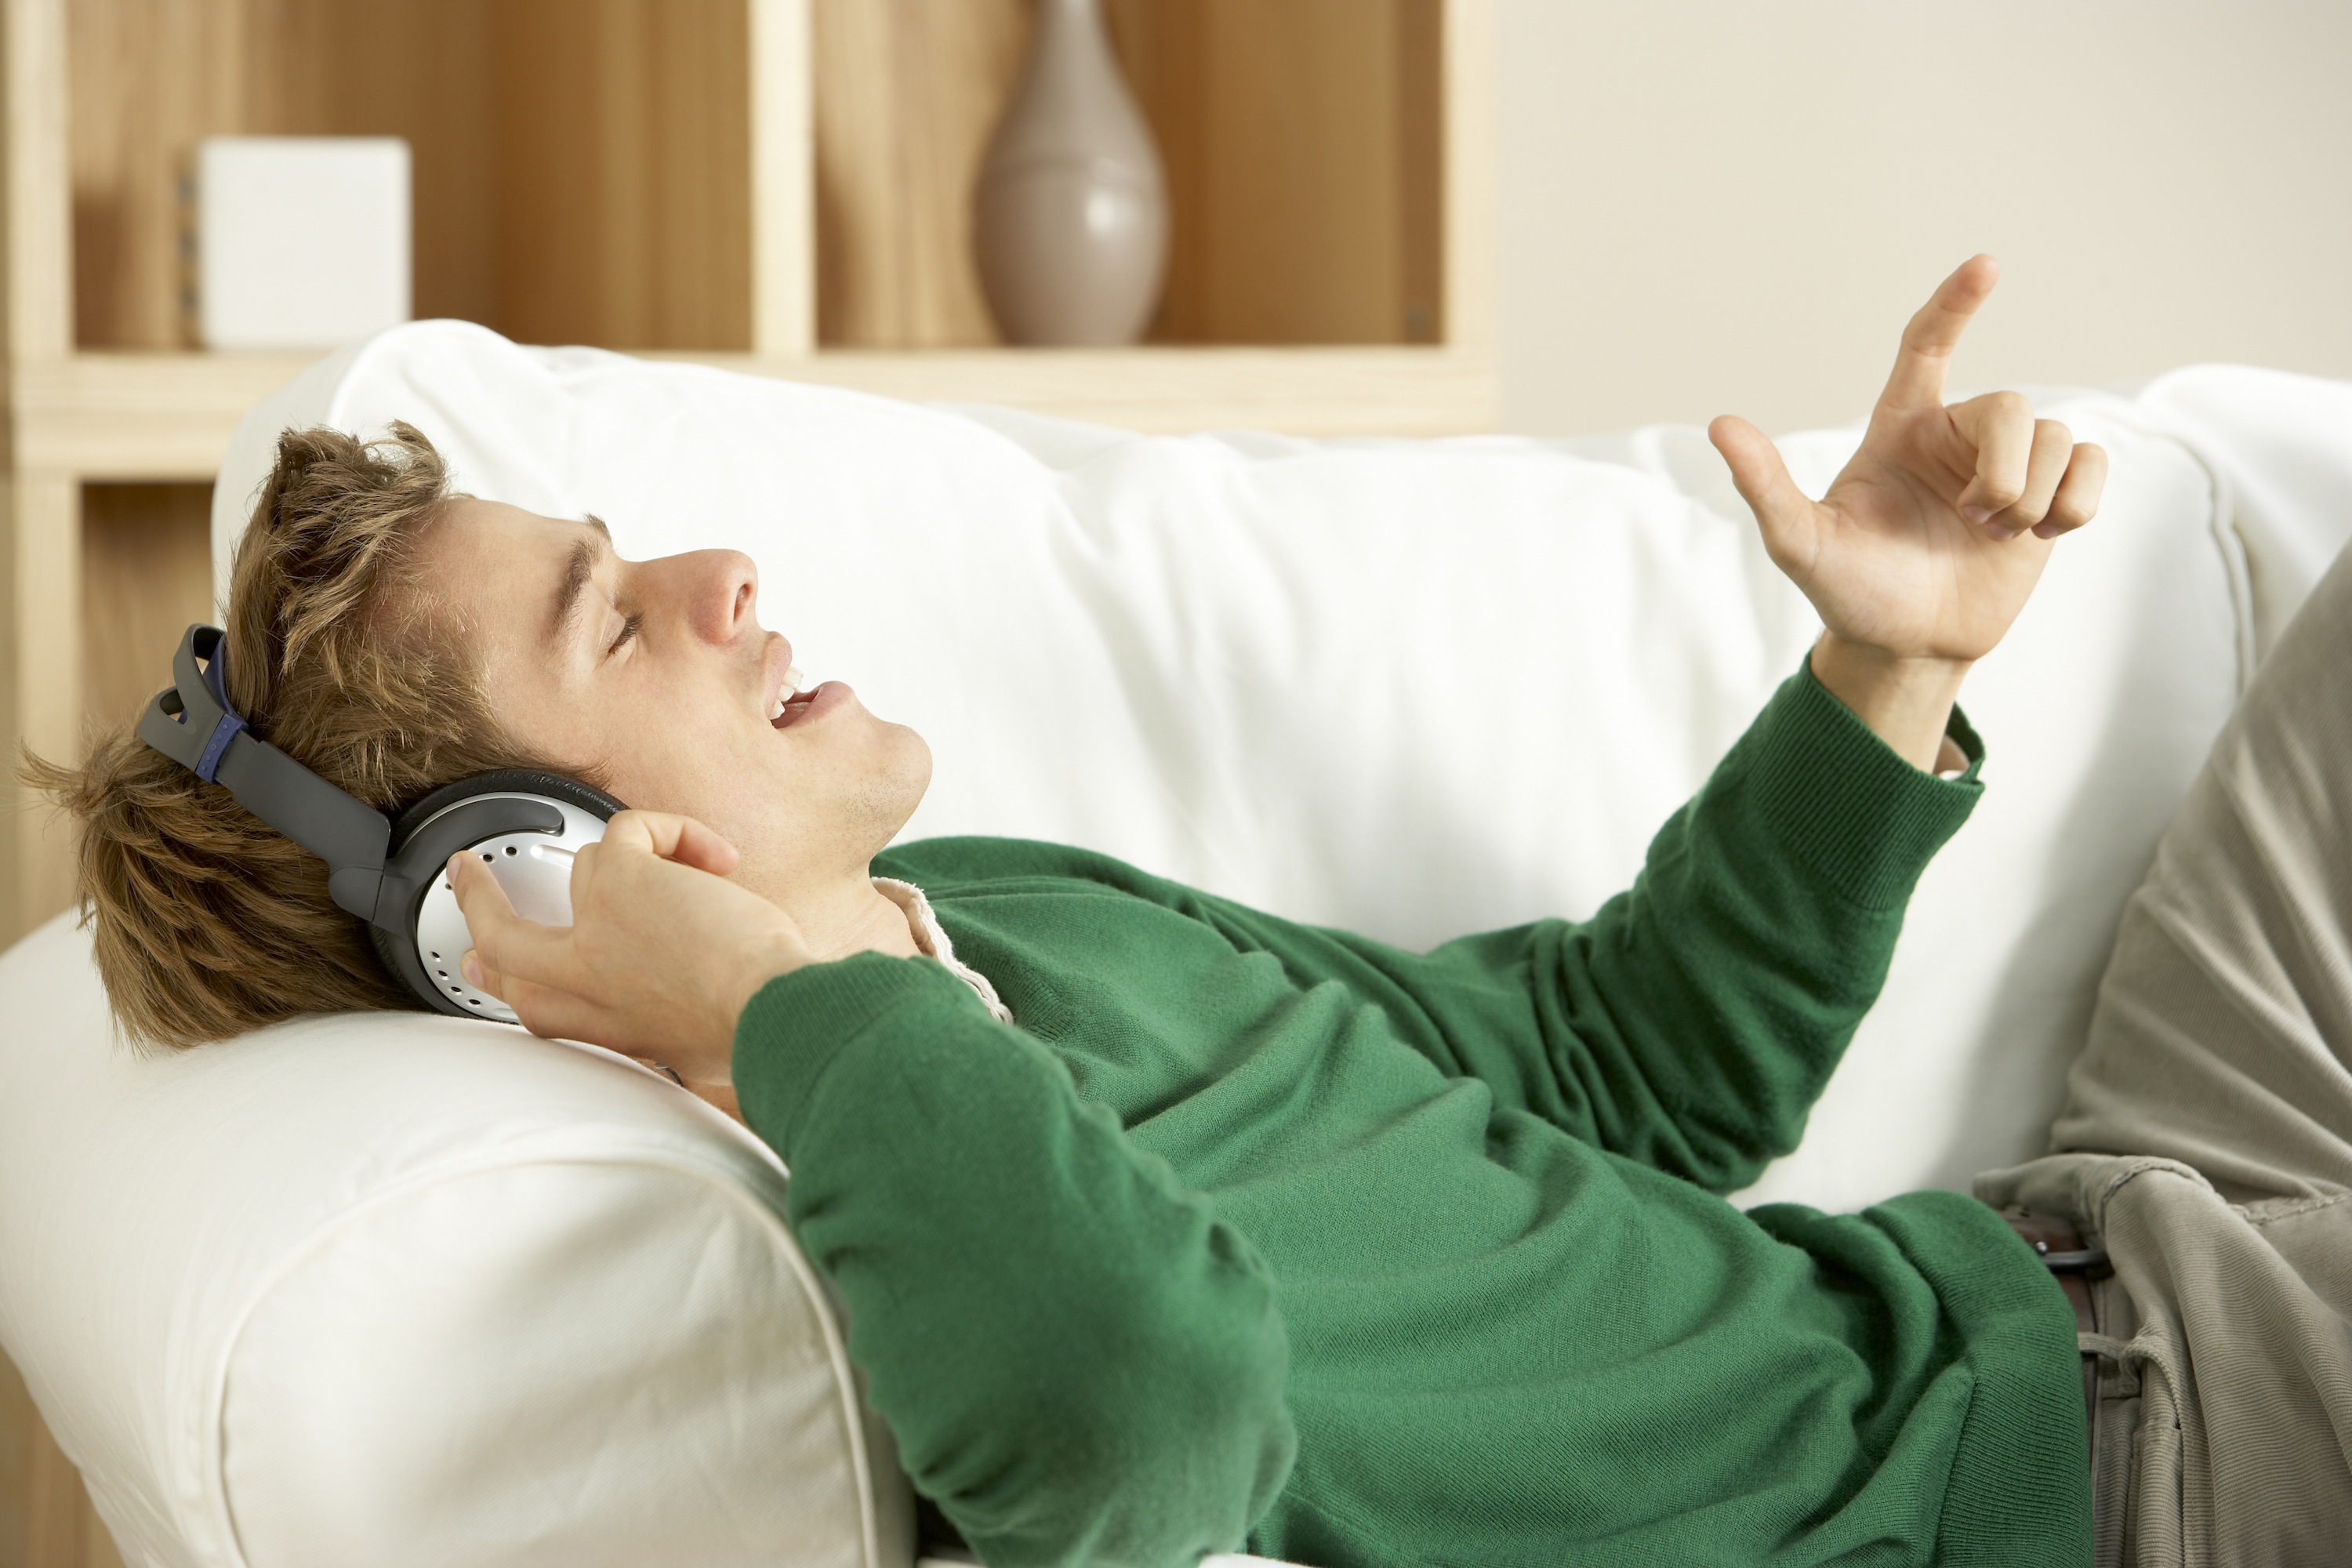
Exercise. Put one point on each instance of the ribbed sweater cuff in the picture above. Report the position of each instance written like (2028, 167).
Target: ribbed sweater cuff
(798, 1024)
(1844, 802)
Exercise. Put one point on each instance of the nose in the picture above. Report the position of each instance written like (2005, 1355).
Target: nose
(723, 593)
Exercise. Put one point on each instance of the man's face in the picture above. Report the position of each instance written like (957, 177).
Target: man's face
(657, 676)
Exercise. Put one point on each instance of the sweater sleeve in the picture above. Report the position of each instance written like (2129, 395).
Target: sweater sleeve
(1693, 1020)
(1081, 1365)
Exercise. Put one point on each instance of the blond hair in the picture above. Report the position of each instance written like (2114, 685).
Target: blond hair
(206, 921)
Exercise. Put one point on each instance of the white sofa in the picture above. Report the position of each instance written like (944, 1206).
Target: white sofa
(401, 1290)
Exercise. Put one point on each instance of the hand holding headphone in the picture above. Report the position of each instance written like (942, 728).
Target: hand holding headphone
(663, 955)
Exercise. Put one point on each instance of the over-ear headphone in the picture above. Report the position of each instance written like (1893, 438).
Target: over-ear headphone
(390, 872)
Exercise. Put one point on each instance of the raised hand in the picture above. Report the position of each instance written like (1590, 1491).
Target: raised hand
(662, 953)
(1930, 540)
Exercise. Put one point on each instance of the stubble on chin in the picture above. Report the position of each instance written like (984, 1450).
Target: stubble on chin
(885, 797)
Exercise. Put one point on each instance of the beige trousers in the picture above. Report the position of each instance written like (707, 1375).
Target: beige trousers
(2207, 1141)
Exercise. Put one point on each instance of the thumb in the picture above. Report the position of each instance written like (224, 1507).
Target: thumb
(1782, 510)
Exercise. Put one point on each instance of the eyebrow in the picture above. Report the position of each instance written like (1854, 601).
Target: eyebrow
(577, 572)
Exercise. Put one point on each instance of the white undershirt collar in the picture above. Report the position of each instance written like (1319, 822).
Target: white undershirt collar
(933, 940)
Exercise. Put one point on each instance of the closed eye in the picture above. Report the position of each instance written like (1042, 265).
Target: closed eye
(629, 629)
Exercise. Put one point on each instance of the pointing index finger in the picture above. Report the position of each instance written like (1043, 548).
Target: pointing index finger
(1933, 334)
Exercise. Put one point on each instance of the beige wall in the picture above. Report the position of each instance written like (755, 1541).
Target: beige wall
(1730, 205)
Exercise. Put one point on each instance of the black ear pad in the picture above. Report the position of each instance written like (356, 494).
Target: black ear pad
(397, 963)
(435, 816)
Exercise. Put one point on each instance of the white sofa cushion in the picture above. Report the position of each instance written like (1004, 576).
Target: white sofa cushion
(406, 1288)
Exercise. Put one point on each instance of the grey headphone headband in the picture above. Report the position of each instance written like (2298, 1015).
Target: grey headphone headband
(193, 724)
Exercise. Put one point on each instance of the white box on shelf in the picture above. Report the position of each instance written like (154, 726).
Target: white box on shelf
(302, 241)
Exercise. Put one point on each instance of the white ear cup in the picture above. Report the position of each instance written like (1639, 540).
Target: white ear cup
(535, 871)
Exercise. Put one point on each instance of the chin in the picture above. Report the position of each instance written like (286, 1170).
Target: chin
(899, 786)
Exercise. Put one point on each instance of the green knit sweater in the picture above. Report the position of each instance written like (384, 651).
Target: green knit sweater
(1249, 1232)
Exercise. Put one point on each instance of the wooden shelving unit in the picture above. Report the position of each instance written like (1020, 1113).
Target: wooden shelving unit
(777, 186)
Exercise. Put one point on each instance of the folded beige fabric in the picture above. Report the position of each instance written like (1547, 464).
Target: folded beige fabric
(2207, 1141)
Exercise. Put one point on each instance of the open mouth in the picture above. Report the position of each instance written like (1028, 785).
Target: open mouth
(793, 701)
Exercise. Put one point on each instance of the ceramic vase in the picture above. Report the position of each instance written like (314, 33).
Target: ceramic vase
(1070, 215)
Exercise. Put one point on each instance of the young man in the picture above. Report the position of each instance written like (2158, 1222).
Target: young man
(1177, 1226)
